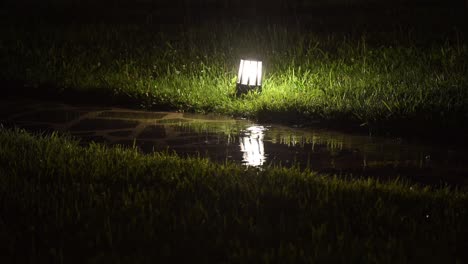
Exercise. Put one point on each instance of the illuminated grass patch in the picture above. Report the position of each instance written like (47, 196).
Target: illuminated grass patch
(362, 79)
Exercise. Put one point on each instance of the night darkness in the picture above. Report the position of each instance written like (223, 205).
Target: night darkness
(233, 131)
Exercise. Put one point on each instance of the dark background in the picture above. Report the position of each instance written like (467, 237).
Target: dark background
(330, 15)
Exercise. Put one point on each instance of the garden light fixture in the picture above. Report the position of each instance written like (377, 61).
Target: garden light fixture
(249, 76)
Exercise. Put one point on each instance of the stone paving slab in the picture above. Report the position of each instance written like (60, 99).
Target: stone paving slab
(90, 124)
(49, 116)
(131, 115)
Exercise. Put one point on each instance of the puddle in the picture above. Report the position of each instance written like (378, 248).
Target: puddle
(153, 132)
(248, 143)
(252, 147)
(50, 116)
(131, 115)
(90, 124)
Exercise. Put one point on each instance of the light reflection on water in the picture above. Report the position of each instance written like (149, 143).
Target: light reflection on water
(241, 141)
(321, 150)
(252, 148)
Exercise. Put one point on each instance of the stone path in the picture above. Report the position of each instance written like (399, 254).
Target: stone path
(112, 125)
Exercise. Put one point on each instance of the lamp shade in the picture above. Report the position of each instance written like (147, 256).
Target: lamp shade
(250, 73)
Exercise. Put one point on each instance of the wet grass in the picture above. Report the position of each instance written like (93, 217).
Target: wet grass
(390, 79)
(61, 202)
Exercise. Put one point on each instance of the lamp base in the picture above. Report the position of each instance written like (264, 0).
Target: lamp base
(244, 89)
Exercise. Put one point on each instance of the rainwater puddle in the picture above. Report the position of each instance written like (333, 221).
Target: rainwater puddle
(246, 142)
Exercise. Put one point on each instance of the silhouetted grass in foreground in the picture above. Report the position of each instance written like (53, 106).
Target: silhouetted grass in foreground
(66, 203)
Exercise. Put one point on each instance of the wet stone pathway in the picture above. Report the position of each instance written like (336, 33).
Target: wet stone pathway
(243, 141)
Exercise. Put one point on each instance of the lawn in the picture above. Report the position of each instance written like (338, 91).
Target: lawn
(61, 202)
(390, 79)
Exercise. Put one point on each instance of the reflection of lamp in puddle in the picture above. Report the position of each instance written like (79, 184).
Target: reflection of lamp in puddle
(251, 144)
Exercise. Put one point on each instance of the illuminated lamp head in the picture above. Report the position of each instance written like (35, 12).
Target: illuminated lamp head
(249, 76)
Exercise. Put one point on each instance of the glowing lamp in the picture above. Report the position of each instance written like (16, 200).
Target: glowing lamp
(249, 76)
